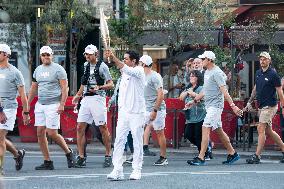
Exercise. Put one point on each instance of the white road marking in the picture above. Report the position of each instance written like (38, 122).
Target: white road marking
(76, 176)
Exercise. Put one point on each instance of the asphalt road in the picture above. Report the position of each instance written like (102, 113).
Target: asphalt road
(269, 174)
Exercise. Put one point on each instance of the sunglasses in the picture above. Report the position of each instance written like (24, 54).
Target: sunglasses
(203, 59)
(44, 55)
(86, 54)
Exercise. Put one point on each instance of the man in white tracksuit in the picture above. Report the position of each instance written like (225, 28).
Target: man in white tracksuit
(131, 112)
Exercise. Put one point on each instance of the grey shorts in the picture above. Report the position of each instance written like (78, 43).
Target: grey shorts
(213, 118)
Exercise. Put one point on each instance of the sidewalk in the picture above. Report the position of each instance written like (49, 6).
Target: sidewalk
(98, 148)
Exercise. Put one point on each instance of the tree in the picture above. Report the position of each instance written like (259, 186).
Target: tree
(124, 32)
(20, 27)
(68, 19)
(182, 21)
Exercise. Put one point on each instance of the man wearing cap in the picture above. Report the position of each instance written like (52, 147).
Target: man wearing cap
(95, 81)
(267, 83)
(12, 83)
(155, 108)
(51, 85)
(214, 90)
(131, 114)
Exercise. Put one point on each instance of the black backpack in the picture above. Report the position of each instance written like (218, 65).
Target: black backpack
(86, 76)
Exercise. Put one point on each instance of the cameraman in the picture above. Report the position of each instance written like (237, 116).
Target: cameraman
(94, 82)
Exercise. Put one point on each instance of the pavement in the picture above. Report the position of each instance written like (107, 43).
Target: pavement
(96, 147)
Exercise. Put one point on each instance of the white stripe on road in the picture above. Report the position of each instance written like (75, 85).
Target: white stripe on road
(143, 174)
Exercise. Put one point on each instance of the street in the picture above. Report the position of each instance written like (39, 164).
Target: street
(178, 174)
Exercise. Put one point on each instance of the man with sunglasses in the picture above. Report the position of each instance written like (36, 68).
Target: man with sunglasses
(95, 81)
(12, 83)
(214, 91)
(50, 82)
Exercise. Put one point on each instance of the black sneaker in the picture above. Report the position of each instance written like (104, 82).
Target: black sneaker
(196, 161)
(162, 161)
(129, 160)
(231, 158)
(70, 158)
(19, 159)
(254, 159)
(147, 152)
(208, 156)
(107, 162)
(282, 160)
(80, 162)
(47, 165)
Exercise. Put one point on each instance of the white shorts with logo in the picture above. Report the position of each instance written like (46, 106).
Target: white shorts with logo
(46, 115)
(213, 118)
(93, 108)
(159, 122)
(11, 118)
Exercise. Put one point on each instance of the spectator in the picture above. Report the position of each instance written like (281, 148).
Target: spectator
(172, 83)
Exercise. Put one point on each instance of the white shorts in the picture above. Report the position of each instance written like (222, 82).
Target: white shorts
(93, 108)
(11, 118)
(46, 115)
(159, 122)
(213, 118)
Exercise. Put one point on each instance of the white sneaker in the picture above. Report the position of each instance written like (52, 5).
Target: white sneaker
(115, 175)
(135, 175)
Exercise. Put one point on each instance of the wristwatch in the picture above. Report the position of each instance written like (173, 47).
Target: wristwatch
(155, 110)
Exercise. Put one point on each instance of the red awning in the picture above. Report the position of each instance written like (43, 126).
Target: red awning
(237, 12)
(242, 9)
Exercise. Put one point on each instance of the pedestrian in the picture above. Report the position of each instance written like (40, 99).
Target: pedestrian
(172, 82)
(214, 90)
(95, 81)
(113, 102)
(131, 114)
(196, 114)
(155, 108)
(267, 83)
(51, 85)
(12, 83)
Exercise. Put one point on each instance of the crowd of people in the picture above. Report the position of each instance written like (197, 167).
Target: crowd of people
(139, 95)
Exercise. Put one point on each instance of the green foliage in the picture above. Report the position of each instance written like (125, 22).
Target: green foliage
(228, 20)
(62, 16)
(222, 55)
(181, 20)
(126, 30)
(58, 15)
(277, 59)
(268, 29)
(21, 14)
(115, 73)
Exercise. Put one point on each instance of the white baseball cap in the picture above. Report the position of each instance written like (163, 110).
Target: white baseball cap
(45, 49)
(91, 49)
(208, 54)
(265, 54)
(5, 48)
(146, 59)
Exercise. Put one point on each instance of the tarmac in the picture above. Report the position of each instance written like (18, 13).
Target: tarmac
(95, 147)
